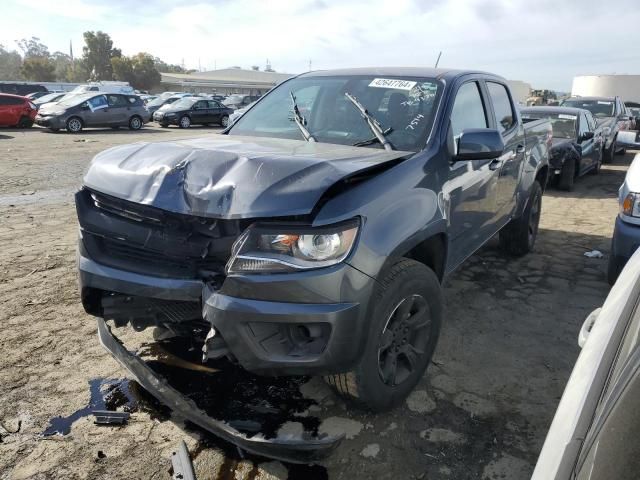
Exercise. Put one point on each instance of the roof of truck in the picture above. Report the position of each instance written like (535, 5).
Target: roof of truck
(440, 73)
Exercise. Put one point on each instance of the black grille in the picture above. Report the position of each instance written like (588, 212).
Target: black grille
(146, 239)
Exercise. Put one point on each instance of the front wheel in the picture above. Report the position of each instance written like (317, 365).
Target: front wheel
(185, 122)
(74, 125)
(567, 175)
(224, 121)
(518, 237)
(608, 153)
(403, 331)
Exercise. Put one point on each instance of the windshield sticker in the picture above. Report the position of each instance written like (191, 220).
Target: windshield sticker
(604, 103)
(392, 83)
(414, 123)
(567, 117)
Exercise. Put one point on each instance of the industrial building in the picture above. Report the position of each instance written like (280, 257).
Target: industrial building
(224, 82)
(625, 86)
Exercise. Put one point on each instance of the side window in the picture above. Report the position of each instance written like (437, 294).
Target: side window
(116, 101)
(584, 125)
(468, 110)
(213, 104)
(505, 118)
(592, 122)
(98, 102)
(13, 101)
(201, 105)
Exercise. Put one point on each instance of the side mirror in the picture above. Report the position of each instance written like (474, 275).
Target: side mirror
(587, 136)
(479, 144)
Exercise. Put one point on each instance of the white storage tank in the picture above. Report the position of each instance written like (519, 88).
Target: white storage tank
(625, 86)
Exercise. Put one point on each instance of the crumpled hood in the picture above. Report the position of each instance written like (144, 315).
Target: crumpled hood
(227, 176)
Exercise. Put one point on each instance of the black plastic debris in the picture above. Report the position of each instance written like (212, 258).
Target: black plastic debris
(107, 417)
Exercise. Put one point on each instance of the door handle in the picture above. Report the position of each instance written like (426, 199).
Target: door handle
(495, 164)
(520, 149)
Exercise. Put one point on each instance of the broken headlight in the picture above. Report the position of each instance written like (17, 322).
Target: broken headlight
(272, 249)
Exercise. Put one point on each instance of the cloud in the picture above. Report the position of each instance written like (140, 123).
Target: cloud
(545, 43)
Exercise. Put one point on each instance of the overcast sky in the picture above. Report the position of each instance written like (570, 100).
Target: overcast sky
(543, 42)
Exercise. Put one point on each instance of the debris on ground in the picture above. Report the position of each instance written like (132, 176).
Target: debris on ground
(106, 417)
(181, 462)
(594, 254)
(370, 451)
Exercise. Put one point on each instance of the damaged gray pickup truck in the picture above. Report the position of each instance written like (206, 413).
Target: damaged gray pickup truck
(312, 236)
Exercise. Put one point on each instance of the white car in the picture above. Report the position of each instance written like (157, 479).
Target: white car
(596, 429)
(238, 113)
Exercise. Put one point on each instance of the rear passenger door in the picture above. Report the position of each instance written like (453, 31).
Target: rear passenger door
(118, 106)
(471, 187)
(215, 111)
(505, 119)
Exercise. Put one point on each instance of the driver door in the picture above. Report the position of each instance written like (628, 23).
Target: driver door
(96, 113)
(470, 191)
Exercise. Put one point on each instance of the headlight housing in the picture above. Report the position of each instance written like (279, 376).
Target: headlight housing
(289, 248)
(631, 205)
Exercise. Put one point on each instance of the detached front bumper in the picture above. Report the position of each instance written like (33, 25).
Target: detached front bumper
(303, 450)
(293, 324)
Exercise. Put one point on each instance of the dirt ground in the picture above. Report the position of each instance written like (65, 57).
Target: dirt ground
(508, 344)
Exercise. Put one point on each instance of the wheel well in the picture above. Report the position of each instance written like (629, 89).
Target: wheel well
(77, 117)
(542, 176)
(431, 252)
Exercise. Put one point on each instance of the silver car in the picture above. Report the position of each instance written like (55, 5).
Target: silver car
(594, 434)
(113, 110)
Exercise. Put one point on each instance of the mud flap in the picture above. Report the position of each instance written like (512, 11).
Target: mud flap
(299, 450)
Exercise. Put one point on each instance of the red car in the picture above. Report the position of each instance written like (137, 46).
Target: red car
(16, 111)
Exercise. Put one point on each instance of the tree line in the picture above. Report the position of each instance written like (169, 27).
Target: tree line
(100, 60)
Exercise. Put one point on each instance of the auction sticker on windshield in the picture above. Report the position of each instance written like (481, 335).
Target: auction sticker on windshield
(567, 117)
(604, 103)
(392, 83)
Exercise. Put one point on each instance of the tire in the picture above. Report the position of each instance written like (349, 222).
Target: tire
(135, 123)
(567, 175)
(614, 268)
(608, 153)
(74, 125)
(596, 169)
(224, 121)
(399, 348)
(25, 122)
(518, 237)
(184, 122)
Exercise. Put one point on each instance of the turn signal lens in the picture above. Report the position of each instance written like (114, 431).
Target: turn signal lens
(627, 204)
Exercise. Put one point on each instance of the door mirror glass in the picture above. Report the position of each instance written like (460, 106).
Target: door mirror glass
(479, 144)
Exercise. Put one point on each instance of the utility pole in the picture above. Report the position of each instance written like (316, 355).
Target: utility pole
(310, 65)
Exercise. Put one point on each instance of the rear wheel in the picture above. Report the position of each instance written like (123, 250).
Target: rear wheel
(518, 237)
(406, 315)
(74, 125)
(224, 121)
(135, 123)
(25, 122)
(567, 175)
(185, 122)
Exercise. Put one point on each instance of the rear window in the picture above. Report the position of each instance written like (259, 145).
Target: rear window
(563, 124)
(11, 101)
(598, 108)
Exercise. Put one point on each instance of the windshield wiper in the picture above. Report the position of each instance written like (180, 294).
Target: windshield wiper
(374, 125)
(301, 121)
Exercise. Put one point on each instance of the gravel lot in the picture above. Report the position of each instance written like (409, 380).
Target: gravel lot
(508, 344)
